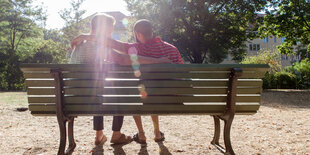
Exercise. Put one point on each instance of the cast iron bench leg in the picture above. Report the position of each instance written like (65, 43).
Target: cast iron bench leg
(62, 144)
(227, 127)
(72, 144)
(217, 130)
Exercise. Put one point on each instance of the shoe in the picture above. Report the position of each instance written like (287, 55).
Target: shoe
(102, 141)
(136, 139)
(123, 139)
(162, 138)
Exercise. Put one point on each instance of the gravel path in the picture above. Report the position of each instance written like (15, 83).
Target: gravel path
(282, 126)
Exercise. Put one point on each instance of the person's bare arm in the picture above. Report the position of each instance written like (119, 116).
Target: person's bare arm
(117, 45)
(126, 59)
(79, 39)
(112, 43)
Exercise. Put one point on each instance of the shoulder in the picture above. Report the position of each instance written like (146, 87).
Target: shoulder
(169, 45)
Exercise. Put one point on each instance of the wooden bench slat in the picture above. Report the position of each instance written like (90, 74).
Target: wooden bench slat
(146, 83)
(142, 68)
(136, 91)
(149, 99)
(215, 75)
(77, 110)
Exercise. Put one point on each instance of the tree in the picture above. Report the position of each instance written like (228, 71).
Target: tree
(289, 19)
(18, 21)
(204, 31)
(74, 23)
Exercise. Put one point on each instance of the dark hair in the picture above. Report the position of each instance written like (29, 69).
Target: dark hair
(144, 27)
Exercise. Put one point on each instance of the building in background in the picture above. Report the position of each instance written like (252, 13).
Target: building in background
(121, 25)
(270, 43)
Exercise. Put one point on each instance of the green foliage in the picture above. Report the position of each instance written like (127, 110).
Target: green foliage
(23, 40)
(295, 76)
(74, 23)
(18, 21)
(272, 58)
(302, 72)
(203, 31)
(269, 81)
(47, 51)
(289, 19)
(285, 80)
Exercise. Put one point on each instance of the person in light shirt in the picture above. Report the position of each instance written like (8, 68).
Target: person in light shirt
(92, 51)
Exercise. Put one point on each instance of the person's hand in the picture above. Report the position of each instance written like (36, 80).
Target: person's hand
(79, 39)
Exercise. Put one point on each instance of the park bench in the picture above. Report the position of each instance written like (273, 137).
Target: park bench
(71, 90)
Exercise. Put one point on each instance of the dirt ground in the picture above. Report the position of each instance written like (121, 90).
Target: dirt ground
(282, 126)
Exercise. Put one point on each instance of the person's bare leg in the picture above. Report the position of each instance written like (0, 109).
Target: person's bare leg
(138, 121)
(116, 135)
(156, 126)
(99, 136)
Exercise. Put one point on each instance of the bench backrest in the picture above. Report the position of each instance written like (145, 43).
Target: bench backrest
(142, 89)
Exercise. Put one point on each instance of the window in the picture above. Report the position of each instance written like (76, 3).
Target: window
(265, 40)
(254, 47)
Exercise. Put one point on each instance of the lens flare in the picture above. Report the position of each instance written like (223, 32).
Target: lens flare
(141, 87)
(125, 22)
(137, 73)
(143, 94)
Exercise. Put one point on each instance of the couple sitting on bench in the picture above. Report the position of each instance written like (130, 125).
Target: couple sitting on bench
(97, 46)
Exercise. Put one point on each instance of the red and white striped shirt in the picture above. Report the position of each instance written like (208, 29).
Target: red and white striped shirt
(156, 48)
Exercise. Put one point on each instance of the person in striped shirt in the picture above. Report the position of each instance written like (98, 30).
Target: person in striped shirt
(148, 46)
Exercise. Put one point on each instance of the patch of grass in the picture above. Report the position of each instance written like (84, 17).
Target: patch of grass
(13, 99)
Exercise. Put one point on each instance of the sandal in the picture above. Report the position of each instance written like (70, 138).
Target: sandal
(136, 139)
(102, 141)
(123, 139)
(162, 137)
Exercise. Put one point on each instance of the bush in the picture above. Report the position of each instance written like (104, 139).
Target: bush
(285, 80)
(272, 58)
(269, 81)
(302, 72)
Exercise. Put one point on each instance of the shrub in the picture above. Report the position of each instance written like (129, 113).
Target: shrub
(269, 81)
(285, 80)
(302, 71)
(272, 58)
